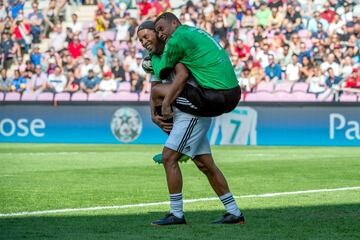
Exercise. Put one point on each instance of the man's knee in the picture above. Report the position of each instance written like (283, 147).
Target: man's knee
(170, 157)
(204, 164)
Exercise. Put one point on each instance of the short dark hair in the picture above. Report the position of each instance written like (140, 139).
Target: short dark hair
(169, 17)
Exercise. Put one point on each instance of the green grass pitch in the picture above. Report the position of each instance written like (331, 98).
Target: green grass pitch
(39, 177)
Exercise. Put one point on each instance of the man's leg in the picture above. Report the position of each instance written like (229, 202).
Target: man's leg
(217, 180)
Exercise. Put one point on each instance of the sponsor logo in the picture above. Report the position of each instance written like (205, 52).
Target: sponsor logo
(126, 124)
(22, 127)
(339, 125)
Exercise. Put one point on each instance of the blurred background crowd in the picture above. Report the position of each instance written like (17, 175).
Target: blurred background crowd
(91, 46)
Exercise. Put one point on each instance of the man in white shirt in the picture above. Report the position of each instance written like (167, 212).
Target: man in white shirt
(293, 69)
(86, 66)
(57, 38)
(56, 81)
(75, 26)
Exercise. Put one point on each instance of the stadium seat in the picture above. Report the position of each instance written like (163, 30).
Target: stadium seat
(265, 87)
(283, 97)
(304, 97)
(95, 96)
(124, 87)
(260, 97)
(79, 96)
(321, 97)
(348, 98)
(28, 96)
(112, 97)
(300, 87)
(1, 96)
(126, 96)
(62, 96)
(283, 87)
(12, 96)
(46, 96)
(145, 97)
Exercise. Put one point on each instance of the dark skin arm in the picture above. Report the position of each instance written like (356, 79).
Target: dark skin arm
(177, 86)
(158, 120)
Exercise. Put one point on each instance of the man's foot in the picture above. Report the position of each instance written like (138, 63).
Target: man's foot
(158, 158)
(229, 218)
(169, 219)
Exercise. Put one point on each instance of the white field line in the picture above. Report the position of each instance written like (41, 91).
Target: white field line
(265, 195)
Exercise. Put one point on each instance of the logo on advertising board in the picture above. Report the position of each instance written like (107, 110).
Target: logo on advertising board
(237, 127)
(126, 124)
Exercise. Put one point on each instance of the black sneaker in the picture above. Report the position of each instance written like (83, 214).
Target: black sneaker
(229, 218)
(170, 219)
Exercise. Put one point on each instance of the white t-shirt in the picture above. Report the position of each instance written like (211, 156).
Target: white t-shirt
(107, 85)
(57, 82)
(84, 71)
(247, 83)
(293, 72)
(122, 33)
(317, 84)
(57, 40)
(75, 27)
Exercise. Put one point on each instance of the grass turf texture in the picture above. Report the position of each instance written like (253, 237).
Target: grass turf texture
(43, 177)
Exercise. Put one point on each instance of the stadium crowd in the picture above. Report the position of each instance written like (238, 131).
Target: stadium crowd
(311, 41)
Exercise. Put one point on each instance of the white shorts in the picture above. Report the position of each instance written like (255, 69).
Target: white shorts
(189, 134)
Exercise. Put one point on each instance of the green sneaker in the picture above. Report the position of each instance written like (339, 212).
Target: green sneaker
(158, 158)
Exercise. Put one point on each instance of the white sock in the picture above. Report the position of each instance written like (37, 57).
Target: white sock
(176, 204)
(229, 203)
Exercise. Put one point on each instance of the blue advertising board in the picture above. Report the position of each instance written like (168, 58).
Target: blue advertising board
(131, 123)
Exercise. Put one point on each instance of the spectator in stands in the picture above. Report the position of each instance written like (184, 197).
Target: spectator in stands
(36, 56)
(102, 18)
(36, 19)
(286, 57)
(75, 25)
(144, 7)
(122, 27)
(246, 81)
(303, 52)
(276, 18)
(306, 69)
(22, 34)
(346, 66)
(248, 21)
(38, 81)
(293, 16)
(5, 82)
(314, 23)
(118, 71)
(218, 28)
(90, 83)
(136, 66)
(130, 59)
(316, 81)
(353, 81)
(263, 15)
(57, 81)
(293, 70)
(73, 83)
(18, 83)
(273, 70)
(9, 50)
(51, 17)
(332, 80)
(336, 25)
(136, 83)
(328, 14)
(86, 66)
(57, 38)
(98, 43)
(241, 49)
(75, 47)
(3, 12)
(15, 7)
(108, 84)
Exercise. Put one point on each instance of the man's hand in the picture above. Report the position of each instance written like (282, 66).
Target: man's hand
(158, 120)
(166, 111)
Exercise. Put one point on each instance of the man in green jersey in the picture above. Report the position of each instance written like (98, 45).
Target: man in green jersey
(218, 90)
(187, 136)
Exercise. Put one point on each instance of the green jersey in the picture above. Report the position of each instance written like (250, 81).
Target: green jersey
(201, 54)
